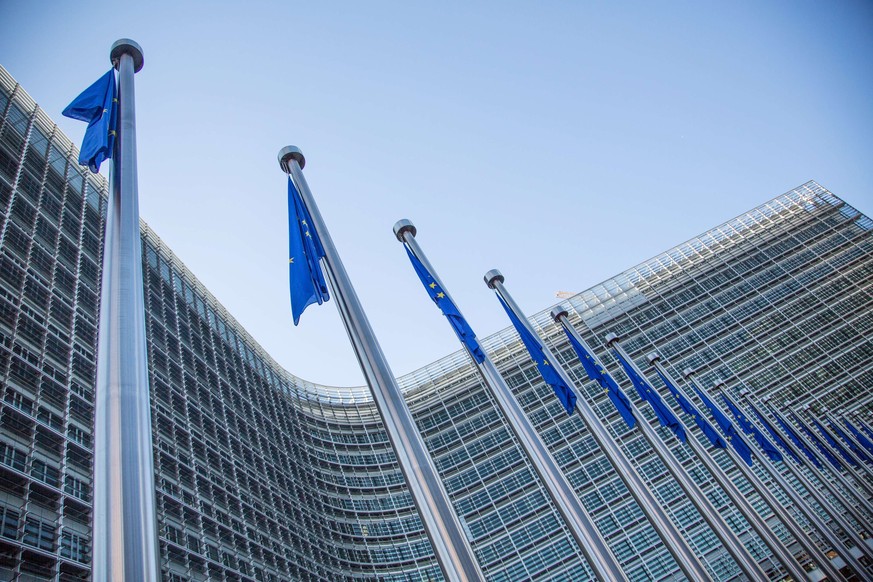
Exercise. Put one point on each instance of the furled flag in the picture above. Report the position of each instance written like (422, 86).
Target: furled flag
(726, 426)
(795, 438)
(774, 434)
(862, 438)
(647, 393)
(597, 373)
(710, 432)
(833, 460)
(98, 106)
(304, 252)
(750, 429)
(835, 444)
(447, 306)
(859, 451)
(564, 393)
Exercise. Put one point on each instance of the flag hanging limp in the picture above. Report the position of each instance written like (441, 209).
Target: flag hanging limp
(449, 309)
(689, 409)
(564, 393)
(734, 438)
(750, 429)
(596, 372)
(98, 107)
(304, 253)
(648, 393)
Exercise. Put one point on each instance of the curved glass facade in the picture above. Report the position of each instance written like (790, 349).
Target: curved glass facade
(263, 476)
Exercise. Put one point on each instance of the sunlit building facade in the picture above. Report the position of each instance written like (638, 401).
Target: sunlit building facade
(262, 476)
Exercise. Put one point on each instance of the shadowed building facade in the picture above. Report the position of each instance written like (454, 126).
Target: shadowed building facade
(261, 475)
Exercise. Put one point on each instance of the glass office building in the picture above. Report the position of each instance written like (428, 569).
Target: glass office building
(261, 475)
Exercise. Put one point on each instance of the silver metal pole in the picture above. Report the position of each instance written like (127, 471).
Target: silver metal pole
(602, 561)
(850, 495)
(125, 521)
(450, 544)
(785, 557)
(861, 467)
(837, 545)
(717, 524)
(685, 558)
(800, 535)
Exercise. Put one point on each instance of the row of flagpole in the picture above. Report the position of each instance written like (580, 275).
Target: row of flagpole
(125, 529)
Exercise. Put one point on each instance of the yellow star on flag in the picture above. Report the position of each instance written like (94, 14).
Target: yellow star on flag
(291, 261)
(432, 285)
(440, 295)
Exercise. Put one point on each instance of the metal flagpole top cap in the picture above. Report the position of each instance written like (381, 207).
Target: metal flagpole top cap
(289, 153)
(558, 312)
(126, 46)
(653, 357)
(611, 337)
(493, 275)
(687, 372)
(403, 226)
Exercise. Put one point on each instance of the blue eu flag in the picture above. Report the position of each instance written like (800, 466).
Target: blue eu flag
(647, 393)
(795, 438)
(859, 452)
(818, 444)
(98, 106)
(835, 444)
(710, 432)
(862, 438)
(447, 306)
(564, 393)
(750, 429)
(304, 252)
(597, 373)
(823, 448)
(726, 426)
(774, 434)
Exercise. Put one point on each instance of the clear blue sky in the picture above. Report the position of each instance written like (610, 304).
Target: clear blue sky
(561, 142)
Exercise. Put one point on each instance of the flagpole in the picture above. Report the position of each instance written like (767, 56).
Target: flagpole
(864, 469)
(685, 558)
(780, 551)
(600, 558)
(443, 528)
(844, 482)
(800, 535)
(125, 537)
(836, 544)
(717, 524)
